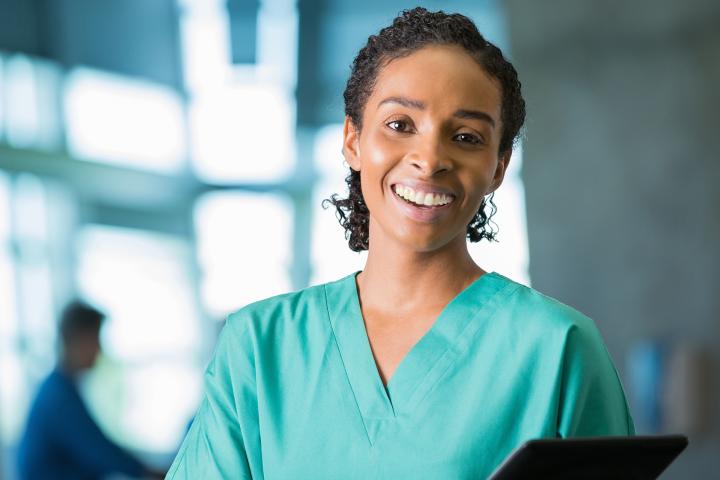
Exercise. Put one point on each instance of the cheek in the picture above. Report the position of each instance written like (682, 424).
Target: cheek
(372, 186)
(378, 159)
(475, 187)
(478, 176)
(380, 153)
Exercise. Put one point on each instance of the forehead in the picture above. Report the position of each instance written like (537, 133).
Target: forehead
(441, 76)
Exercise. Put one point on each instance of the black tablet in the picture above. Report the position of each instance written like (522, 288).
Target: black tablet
(618, 458)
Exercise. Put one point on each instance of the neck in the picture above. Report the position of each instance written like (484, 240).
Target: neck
(398, 280)
(71, 365)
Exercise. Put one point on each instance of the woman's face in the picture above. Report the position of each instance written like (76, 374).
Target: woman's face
(428, 150)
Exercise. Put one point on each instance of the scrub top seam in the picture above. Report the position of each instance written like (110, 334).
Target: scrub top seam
(430, 381)
(339, 350)
(491, 302)
(505, 291)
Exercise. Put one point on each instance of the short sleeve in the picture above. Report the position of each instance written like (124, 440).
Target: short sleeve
(592, 400)
(222, 436)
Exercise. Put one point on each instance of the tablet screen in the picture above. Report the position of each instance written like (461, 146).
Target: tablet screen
(636, 458)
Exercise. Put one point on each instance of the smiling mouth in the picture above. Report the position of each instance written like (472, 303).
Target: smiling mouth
(422, 199)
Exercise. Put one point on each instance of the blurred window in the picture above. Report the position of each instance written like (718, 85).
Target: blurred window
(146, 387)
(205, 40)
(27, 327)
(331, 256)
(29, 205)
(31, 106)
(11, 372)
(277, 41)
(23, 111)
(4, 210)
(242, 116)
(508, 256)
(242, 133)
(244, 242)
(3, 105)
(115, 119)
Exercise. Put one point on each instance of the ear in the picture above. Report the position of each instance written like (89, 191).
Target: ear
(503, 162)
(351, 144)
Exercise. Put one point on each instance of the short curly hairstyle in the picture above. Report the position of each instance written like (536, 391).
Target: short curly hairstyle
(409, 32)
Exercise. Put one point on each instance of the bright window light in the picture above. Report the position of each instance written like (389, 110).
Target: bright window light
(13, 392)
(508, 256)
(151, 339)
(22, 115)
(30, 211)
(113, 119)
(35, 287)
(144, 406)
(242, 118)
(277, 38)
(244, 248)
(142, 280)
(9, 327)
(205, 39)
(158, 384)
(4, 208)
(27, 325)
(13, 396)
(242, 133)
(3, 107)
(331, 257)
(29, 102)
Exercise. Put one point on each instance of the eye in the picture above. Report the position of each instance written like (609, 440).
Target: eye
(399, 126)
(468, 138)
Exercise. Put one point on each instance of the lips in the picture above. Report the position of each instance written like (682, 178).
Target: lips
(422, 202)
(423, 195)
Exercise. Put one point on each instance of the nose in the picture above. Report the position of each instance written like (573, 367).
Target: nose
(430, 157)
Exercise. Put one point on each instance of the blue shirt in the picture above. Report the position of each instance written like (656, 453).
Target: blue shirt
(293, 390)
(62, 441)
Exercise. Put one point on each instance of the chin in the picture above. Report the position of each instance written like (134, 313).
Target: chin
(419, 238)
(426, 244)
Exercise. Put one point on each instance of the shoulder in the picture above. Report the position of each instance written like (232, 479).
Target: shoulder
(288, 313)
(535, 310)
(551, 322)
(549, 325)
(57, 390)
(56, 384)
(273, 330)
(285, 308)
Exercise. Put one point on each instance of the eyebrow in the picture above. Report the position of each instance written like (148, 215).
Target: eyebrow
(405, 102)
(475, 115)
(461, 113)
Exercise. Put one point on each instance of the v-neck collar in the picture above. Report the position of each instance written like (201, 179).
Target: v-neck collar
(426, 362)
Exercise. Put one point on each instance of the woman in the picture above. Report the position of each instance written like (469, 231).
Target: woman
(422, 365)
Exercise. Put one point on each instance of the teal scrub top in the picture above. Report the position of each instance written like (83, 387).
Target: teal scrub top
(293, 391)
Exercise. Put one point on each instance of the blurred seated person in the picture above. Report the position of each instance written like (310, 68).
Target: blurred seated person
(61, 439)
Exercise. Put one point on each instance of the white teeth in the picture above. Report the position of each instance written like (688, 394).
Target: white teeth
(420, 198)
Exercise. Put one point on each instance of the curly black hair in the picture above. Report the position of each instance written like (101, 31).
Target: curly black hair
(409, 32)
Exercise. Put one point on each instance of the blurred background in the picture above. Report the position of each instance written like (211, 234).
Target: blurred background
(166, 161)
